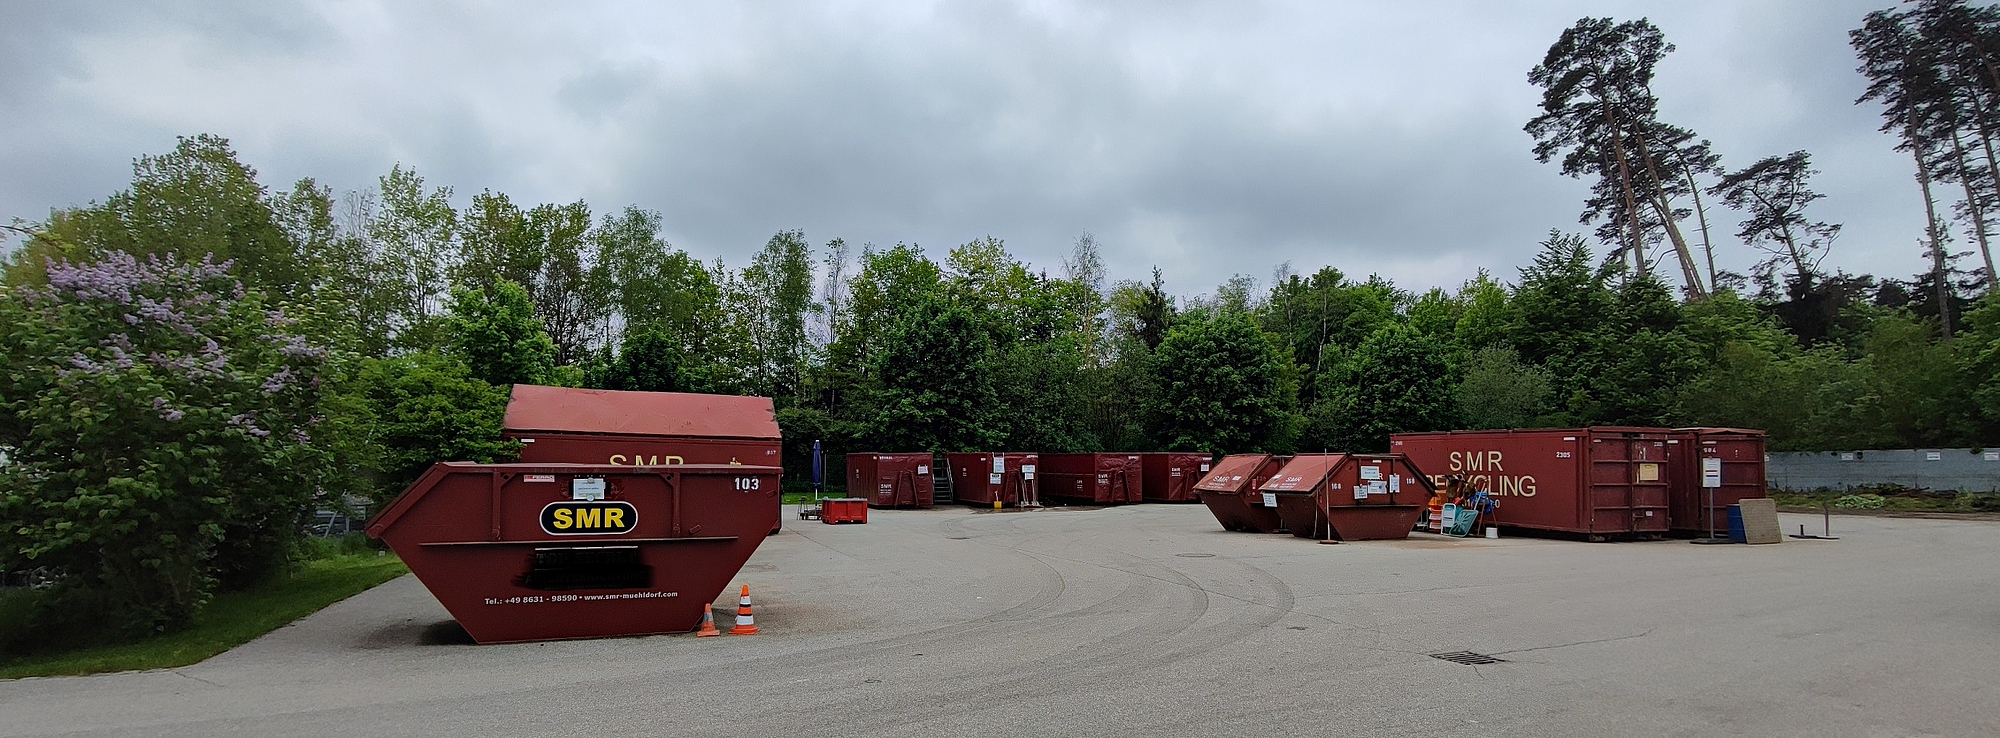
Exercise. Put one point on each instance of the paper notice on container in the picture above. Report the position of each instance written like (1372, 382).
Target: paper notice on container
(1361, 491)
(921, 469)
(992, 479)
(1395, 484)
(1204, 466)
(1270, 499)
(999, 464)
(586, 489)
(1371, 472)
(1027, 471)
(542, 478)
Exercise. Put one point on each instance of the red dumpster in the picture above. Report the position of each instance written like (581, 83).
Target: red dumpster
(843, 510)
(587, 426)
(1170, 476)
(1737, 468)
(1599, 482)
(1231, 492)
(890, 480)
(525, 552)
(1094, 479)
(981, 479)
(1352, 497)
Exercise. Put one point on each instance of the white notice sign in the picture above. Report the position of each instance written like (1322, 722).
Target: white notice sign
(1204, 466)
(999, 464)
(921, 469)
(992, 479)
(586, 489)
(1027, 471)
(1270, 499)
(1371, 472)
(1711, 471)
(1395, 484)
(1361, 491)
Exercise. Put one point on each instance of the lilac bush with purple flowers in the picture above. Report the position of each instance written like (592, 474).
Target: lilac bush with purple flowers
(159, 420)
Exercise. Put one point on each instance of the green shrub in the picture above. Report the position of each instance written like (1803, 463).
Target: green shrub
(160, 420)
(1860, 502)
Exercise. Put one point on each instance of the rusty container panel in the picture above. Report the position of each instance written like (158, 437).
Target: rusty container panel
(1351, 497)
(1170, 476)
(1093, 478)
(838, 510)
(1230, 490)
(890, 480)
(525, 552)
(585, 426)
(1599, 482)
(1741, 454)
(566, 425)
(977, 480)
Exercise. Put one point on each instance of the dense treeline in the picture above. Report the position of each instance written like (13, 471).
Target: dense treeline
(199, 360)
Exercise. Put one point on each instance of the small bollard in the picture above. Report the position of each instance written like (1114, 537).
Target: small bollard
(996, 504)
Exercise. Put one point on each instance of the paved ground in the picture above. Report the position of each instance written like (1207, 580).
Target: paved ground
(1150, 621)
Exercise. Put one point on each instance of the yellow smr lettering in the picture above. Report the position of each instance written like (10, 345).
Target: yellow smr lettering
(562, 519)
(614, 517)
(616, 459)
(1457, 462)
(587, 518)
(1493, 460)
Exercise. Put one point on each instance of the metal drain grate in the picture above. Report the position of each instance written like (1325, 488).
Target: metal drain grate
(1468, 658)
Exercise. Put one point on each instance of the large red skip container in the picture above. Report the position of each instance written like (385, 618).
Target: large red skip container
(1231, 494)
(1100, 479)
(982, 479)
(1170, 476)
(890, 480)
(524, 552)
(1601, 481)
(588, 426)
(1738, 465)
(1352, 497)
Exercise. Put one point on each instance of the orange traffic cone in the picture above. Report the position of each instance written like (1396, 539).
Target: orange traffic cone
(708, 623)
(745, 623)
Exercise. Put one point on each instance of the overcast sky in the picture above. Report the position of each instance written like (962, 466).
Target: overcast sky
(1205, 138)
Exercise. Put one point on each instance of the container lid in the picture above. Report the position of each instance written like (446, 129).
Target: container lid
(1233, 472)
(539, 409)
(1304, 473)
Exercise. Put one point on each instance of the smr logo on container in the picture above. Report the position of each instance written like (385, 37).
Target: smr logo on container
(570, 518)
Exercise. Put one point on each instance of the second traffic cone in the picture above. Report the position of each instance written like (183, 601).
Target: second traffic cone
(745, 623)
(708, 623)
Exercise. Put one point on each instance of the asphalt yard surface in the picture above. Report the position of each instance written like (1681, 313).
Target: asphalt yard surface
(1151, 621)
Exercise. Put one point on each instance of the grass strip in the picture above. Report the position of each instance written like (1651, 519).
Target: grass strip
(232, 619)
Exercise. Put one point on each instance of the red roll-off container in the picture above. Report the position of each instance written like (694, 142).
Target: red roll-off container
(588, 426)
(1600, 482)
(981, 478)
(1170, 476)
(890, 480)
(1231, 492)
(525, 552)
(567, 425)
(1094, 478)
(1741, 452)
(1352, 497)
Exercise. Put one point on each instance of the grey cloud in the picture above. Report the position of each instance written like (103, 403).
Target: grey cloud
(1207, 138)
